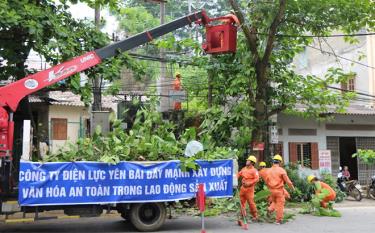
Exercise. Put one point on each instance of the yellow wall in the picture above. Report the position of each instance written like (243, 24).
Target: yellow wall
(74, 116)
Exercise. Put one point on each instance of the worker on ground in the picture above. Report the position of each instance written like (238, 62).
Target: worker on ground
(262, 170)
(322, 190)
(262, 174)
(276, 178)
(250, 178)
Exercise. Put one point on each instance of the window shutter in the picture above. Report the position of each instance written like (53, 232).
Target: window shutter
(314, 156)
(59, 129)
(293, 152)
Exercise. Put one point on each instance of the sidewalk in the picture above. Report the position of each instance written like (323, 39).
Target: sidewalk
(365, 202)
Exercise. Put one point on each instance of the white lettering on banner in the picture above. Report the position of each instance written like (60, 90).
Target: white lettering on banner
(76, 192)
(54, 175)
(117, 174)
(55, 191)
(136, 174)
(74, 175)
(154, 174)
(193, 187)
(200, 173)
(32, 192)
(218, 186)
(174, 188)
(96, 175)
(98, 191)
(152, 189)
(220, 171)
(32, 176)
(52, 75)
(176, 173)
(127, 190)
(87, 58)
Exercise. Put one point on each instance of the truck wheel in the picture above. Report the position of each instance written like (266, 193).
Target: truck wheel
(125, 216)
(148, 216)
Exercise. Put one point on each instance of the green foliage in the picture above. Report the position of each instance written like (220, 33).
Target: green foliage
(47, 28)
(366, 156)
(315, 209)
(228, 127)
(332, 182)
(303, 189)
(262, 73)
(136, 19)
(150, 138)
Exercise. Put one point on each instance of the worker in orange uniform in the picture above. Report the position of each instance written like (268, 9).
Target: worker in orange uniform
(322, 190)
(276, 178)
(250, 178)
(177, 87)
(262, 174)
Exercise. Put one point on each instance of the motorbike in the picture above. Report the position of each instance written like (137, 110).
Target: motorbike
(349, 187)
(371, 188)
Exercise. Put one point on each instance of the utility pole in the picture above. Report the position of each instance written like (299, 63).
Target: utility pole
(163, 88)
(97, 103)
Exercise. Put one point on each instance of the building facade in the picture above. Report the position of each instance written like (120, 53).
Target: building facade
(300, 140)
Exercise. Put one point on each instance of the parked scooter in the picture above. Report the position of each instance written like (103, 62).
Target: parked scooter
(349, 187)
(371, 188)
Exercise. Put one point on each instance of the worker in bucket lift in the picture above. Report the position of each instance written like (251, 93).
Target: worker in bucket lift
(276, 178)
(177, 87)
(250, 178)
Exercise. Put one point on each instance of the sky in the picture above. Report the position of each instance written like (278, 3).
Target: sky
(78, 11)
(81, 11)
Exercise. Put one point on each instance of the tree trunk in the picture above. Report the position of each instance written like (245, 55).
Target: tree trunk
(210, 75)
(259, 134)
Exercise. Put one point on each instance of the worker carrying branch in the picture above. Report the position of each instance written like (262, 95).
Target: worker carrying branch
(250, 178)
(323, 191)
(276, 177)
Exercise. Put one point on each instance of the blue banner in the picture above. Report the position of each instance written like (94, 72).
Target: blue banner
(69, 183)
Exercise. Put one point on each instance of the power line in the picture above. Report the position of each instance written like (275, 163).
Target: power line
(318, 36)
(358, 93)
(341, 57)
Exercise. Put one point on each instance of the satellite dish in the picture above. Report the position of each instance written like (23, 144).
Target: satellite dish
(192, 148)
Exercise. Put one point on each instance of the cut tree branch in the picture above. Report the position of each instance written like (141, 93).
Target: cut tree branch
(277, 110)
(273, 30)
(250, 32)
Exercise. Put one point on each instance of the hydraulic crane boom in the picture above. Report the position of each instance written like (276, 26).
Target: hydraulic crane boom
(12, 94)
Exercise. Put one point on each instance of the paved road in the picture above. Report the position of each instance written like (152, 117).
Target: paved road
(354, 219)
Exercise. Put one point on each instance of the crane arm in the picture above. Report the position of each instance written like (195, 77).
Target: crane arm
(12, 94)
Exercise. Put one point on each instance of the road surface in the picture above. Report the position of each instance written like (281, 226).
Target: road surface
(354, 219)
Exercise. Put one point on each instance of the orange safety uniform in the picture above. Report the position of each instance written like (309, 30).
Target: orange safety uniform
(275, 179)
(262, 175)
(250, 177)
(177, 87)
(330, 197)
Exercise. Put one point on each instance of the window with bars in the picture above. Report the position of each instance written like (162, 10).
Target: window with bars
(304, 154)
(350, 85)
